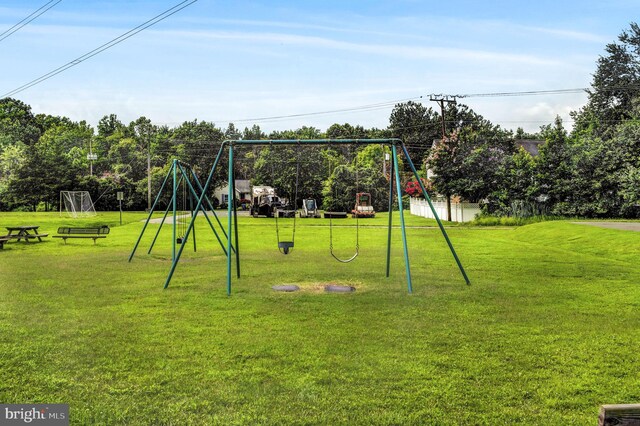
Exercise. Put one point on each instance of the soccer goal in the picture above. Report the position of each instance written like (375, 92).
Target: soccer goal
(76, 203)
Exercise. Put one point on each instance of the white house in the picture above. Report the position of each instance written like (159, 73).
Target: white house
(243, 191)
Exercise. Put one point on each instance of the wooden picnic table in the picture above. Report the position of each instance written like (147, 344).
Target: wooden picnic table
(24, 233)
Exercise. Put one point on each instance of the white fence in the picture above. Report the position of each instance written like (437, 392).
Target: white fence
(460, 212)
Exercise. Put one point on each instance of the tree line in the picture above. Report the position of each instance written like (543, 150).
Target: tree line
(592, 170)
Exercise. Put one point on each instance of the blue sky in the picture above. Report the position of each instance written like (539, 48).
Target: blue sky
(241, 60)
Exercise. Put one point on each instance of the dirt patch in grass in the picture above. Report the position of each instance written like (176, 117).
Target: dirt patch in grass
(318, 287)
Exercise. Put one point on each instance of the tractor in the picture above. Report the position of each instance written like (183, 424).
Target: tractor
(264, 201)
(363, 207)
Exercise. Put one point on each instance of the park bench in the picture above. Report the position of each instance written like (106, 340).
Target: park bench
(2, 241)
(86, 232)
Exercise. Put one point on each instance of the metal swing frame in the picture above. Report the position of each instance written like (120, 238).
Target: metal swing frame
(232, 218)
(181, 174)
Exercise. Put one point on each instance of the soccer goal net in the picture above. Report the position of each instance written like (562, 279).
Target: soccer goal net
(76, 203)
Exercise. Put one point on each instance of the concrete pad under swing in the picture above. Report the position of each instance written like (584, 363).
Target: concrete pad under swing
(339, 288)
(286, 288)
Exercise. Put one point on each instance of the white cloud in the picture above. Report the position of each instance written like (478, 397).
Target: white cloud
(394, 50)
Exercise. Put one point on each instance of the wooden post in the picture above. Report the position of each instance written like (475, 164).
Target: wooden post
(619, 414)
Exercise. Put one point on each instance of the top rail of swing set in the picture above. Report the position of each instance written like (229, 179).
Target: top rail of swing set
(388, 141)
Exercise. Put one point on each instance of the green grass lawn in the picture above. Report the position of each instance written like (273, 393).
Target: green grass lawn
(548, 331)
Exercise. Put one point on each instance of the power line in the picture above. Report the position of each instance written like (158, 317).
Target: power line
(28, 19)
(370, 107)
(102, 48)
(524, 93)
(386, 104)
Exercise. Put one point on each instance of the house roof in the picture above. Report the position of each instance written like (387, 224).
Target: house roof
(243, 186)
(532, 146)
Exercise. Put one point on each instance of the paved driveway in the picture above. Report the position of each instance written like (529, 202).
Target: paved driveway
(626, 226)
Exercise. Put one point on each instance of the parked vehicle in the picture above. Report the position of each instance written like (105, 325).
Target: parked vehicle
(309, 208)
(286, 209)
(264, 201)
(363, 207)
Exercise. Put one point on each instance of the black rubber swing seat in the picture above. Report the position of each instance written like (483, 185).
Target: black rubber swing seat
(285, 246)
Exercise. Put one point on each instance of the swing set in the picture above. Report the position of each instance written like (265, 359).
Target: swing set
(185, 188)
(182, 174)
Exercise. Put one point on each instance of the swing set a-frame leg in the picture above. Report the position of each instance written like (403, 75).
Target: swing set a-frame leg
(402, 226)
(433, 210)
(164, 183)
(197, 208)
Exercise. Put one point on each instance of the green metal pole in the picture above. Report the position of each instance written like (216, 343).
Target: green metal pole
(390, 218)
(166, 179)
(166, 212)
(402, 227)
(193, 193)
(192, 216)
(210, 204)
(235, 219)
(174, 198)
(433, 210)
(198, 206)
(229, 219)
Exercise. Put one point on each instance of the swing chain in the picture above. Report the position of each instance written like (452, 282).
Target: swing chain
(357, 225)
(285, 246)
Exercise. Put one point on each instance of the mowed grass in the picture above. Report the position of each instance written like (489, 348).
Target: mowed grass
(548, 331)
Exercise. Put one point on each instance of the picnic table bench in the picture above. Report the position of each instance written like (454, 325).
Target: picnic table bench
(2, 241)
(94, 232)
(22, 233)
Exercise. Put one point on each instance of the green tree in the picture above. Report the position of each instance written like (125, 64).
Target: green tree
(280, 165)
(17, 124)
(616, 83)
(471, 161)
(554, 169)
(514, 193)
(417, 126)
(197, 143)
(12, 159)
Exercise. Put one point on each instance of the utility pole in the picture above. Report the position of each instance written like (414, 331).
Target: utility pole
(91, 157)
(441, 101)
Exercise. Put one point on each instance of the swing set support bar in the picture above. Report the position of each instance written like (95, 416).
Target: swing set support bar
(390, 219)
(180, 173)
(210, 204)
(402, 227)
(433, 210)
(192, 194)
(164, 217)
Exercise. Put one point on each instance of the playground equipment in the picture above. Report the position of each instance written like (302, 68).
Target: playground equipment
(309, 208)
(232, 222)
(286, 246)
(363, 207)
(185, 188)
(332, 215)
